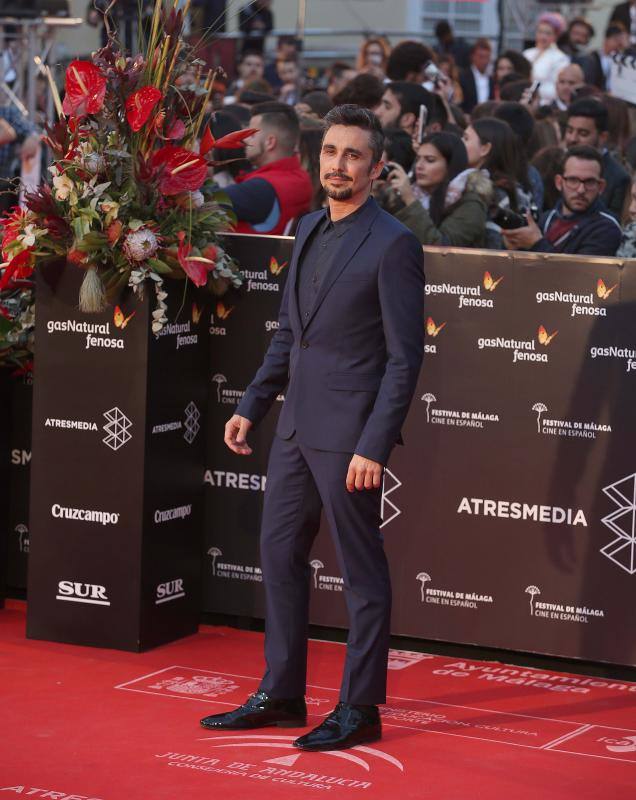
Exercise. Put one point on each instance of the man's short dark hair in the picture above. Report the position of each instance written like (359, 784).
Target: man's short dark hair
(283, 119)
(411, 96)
(355, 117)
(592, 109)
(585, 152)
(481, 44)
(247, 53)
(364, 90)
(584, 22)
(443, 29)
(338, 69)
(407, 57)
(399, 148)
(319, 102)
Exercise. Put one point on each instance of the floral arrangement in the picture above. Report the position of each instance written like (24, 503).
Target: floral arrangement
(130, 202)
(17, 324)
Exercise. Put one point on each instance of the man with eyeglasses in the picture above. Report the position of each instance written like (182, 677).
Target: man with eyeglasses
(580, 222)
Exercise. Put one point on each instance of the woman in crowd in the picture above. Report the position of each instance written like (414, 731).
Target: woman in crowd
(549, 163)
(490, 146)
(449, 203)
(452, 89)
(627, 248)
(546, 58)
(373, 56)
(510, 62)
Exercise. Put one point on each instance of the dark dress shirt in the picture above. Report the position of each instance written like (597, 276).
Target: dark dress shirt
(318, 257)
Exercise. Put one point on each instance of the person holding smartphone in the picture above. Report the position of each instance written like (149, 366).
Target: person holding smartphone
(448, 205)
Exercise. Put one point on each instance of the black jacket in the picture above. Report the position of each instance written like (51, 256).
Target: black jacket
(618, 181)
(592, 69)
(469, 89)
(596, 233)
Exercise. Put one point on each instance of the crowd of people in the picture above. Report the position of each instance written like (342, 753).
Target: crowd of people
(520, 150)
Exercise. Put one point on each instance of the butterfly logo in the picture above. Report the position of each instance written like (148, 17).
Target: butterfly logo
(432, 329)
(543, 336)
(120, 320)
(602, 291)
(196, 313)
(489, 283)
(222, 312)
(275, 268)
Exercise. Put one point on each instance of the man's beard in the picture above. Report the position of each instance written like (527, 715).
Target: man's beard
(339, 194)
(576, 210)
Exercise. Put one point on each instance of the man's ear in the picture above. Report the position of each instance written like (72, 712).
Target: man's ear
(270, 142)
(602, 138)
(558, 182)
(376, 170)
(602, 186)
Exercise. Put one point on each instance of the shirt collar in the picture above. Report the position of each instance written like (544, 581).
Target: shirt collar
(343, 225)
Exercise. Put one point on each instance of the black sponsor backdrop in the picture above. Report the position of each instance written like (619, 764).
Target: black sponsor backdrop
(20, 397)
(510, 407)
(148, 404)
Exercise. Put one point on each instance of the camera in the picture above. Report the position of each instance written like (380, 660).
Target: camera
(508, 219)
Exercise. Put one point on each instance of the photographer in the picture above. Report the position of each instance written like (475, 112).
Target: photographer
(579, 223)
(449, 203)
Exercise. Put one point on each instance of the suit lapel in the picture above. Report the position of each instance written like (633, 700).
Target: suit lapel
(349, 246)
(299, 245)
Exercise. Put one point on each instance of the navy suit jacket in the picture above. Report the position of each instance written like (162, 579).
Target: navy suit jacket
(352, 368)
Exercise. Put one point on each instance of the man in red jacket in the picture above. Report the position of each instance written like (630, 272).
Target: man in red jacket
(278, 190)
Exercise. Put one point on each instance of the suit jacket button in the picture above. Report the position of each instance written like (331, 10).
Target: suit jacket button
(304, 345)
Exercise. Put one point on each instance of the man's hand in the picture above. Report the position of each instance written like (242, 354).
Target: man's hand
(236, 429)
(363, 474)
(522, 238)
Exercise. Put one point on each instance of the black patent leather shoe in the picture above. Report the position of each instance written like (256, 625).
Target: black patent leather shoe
(259, 711)
(346, 726)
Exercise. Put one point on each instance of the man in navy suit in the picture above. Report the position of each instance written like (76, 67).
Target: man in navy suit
(349, 349)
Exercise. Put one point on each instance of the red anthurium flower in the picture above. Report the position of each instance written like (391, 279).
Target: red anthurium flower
(18, 268)
(207, 141)
(24, 370)
(234, 140)
(180, 170)
(194, 267)
(139, 106)
(85, 89)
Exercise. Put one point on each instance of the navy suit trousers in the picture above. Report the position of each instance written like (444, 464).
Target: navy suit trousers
(300, 482)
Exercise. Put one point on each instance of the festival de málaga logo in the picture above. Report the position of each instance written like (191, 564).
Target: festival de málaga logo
(543, 337)
(602, 291)
(196, 313)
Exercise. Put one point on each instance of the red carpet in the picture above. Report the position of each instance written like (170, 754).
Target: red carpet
(81, 723)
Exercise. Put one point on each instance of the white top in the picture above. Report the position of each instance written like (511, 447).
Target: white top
(482, 84)
(546, 65)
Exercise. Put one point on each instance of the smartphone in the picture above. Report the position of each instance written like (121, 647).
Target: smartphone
(534, 88)
(421, 123)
